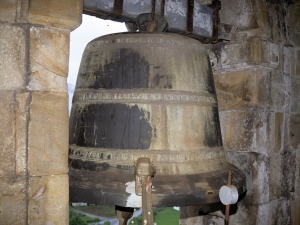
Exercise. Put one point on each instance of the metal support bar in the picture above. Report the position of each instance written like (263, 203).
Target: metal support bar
(227, 209)
(147, 201)
(143, 186)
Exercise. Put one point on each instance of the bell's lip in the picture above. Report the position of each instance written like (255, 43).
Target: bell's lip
(113, 188)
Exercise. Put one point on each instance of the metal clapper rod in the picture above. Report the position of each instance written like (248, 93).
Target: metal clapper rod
(227, 209)
(228, 195)
(143, 186)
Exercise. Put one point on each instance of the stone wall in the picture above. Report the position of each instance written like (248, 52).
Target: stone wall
(34, 53)
(257, 77)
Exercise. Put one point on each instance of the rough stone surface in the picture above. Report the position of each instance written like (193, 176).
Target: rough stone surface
(245, 131)
(56, 13)
(275, 175)
(251, 53)
(295, 94)
(7, 134)
(277, 129)
(13, 200)
(8, 10)
(295, 209)
(297, 69)
(288, 169)
(297, 175)
(48, 200)
(49, 55)
(22, 100)
(273, 212)
(287, 60)
(294, 22)
(13, 49)
(241, 16)
(280, 91)
(278, 22)
(49, 122)
(246, 89)
(256, 168)
(294, 134)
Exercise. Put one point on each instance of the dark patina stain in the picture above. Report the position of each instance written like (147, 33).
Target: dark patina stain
(77, 164)
(213, 134)
(210, 79)
(125, 69)
(161, 81)
(111, 126)
(104, 166)
(91, 166)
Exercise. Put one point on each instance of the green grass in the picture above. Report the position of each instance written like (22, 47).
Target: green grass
(166, 216)
(80, 219)
(162, 216)
(98, 210)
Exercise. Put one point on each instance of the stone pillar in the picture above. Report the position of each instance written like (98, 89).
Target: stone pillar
(256, 72)
(34, 53)
(294, 118)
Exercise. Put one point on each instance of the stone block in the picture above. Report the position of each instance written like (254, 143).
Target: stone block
(13, 50)
(295, 209)
(7, 134)
(278, 22)
(297, 174)
(275, 175)
(297, 69)
(214, 52)
(247, 19)
(250, 53)
(295, 94)
(8, 10)
(277, 129)
(13, 200)
(294, 23)
(240, 90)
(241, 16)
(287, 184)
(273, 212)
(56, 13)
(245, 131)
(280, 91)
(294, 132)
(48, 134)
(287, 62)
(22, 102)
(49, 57)
(48, 200)
(261, 180)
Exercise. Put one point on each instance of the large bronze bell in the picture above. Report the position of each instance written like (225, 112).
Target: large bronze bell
(147, 95)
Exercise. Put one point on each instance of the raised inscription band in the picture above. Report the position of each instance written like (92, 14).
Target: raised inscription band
(165, 162)
(154, 40)
(108, 95)
(130, 155)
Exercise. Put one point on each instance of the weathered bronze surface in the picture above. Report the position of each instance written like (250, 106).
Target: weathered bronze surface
(146, 95)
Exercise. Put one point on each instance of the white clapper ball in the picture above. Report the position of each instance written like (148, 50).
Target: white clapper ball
(228, 195)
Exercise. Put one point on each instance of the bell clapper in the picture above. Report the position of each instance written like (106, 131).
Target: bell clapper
(143, 186)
